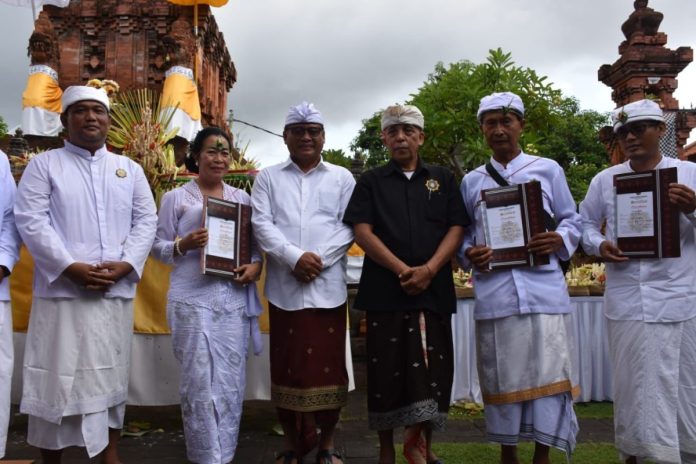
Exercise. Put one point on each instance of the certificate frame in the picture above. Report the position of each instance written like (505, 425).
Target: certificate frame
(527, 197)
(236, 219)
(663, 241)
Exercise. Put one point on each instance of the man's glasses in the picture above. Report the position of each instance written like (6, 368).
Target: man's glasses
(299, 131)
(635, 128)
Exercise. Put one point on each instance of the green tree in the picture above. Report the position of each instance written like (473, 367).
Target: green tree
(449, 99)
(573, 142)
(336, 156)
(368, 142)
(3, 127)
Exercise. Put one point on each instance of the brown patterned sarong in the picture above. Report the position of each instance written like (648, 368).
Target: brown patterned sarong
(308, 358)
(409, 368)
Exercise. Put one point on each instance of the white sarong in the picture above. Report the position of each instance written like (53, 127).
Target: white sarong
(90, 431)
(211, 343)
(77, 359)
(528, 378)
(6, 366)
(654, 375)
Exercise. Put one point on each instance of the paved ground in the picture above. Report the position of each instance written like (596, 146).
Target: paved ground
(257, 444)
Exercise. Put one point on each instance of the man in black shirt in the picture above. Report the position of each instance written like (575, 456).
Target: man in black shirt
(409, 218)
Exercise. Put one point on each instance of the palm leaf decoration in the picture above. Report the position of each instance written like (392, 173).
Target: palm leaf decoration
(140, 128)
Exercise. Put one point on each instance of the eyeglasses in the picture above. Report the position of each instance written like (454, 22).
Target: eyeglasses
(299, 131)
(635, 128)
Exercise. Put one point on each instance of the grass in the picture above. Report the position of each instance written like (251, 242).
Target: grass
(591, 410)
(480, 453)
(595, 410)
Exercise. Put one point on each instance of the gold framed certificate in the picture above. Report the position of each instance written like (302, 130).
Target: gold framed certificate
(229, 237)
(512, 215)
(647, 224)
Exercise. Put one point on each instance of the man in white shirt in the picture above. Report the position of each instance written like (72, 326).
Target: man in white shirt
(297, 216)
(88, 219)
(650, 304)
(9, 253)
(524, 335)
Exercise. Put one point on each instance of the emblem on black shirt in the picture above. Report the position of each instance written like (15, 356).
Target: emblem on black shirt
(432, 185)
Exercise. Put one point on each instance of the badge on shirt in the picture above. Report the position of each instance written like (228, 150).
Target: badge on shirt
(432, 185)
(121, 173)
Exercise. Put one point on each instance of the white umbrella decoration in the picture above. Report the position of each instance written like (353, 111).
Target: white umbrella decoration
(34, 4)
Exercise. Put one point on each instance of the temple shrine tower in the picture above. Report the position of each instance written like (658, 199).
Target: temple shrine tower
(646, 68)
(134, 42)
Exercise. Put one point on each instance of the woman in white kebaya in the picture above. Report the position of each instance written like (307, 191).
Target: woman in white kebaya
(211, 318)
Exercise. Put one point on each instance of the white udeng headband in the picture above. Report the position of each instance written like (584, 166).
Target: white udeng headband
(402, 114)
(500, 101)
(641, 110)
(76, 93)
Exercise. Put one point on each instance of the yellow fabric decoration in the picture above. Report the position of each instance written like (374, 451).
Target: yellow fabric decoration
(217, 3)
(181, 89)
(150, 296)
(264, 321)
(355, 250)
(42, 91)
(151, 299)
(21, 282)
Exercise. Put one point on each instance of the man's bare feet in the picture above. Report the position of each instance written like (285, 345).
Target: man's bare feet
(110, 453)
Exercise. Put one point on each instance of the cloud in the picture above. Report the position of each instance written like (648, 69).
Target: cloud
(354, 58)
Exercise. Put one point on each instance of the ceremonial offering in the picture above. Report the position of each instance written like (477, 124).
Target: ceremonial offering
(511, 216)
(588, 279)
(463, 283)
(229, 237)
(647, 224)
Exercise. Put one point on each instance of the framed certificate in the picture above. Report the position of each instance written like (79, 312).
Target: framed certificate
(511, 216)
(229, 237)
(647, 224)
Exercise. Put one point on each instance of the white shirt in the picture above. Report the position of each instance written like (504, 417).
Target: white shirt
(75, 207)
(650, 290)
(296, 212)
(180, 213)
(538, 289)
(9, 238)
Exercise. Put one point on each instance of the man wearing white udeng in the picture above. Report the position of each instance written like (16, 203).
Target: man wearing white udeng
(524, 335)
(88, 218)
(650, 304)
(9, 253)
(298, 206)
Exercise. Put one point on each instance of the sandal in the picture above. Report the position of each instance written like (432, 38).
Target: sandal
(325, 456)
(288, 456)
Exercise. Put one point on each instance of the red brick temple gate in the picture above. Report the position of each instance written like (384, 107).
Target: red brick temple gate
(646, 68)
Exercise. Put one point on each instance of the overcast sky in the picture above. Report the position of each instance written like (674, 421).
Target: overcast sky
(352, 58)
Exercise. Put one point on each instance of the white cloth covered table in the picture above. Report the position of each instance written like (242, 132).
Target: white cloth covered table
(154, 376)
(154, 372)
(590, 334)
